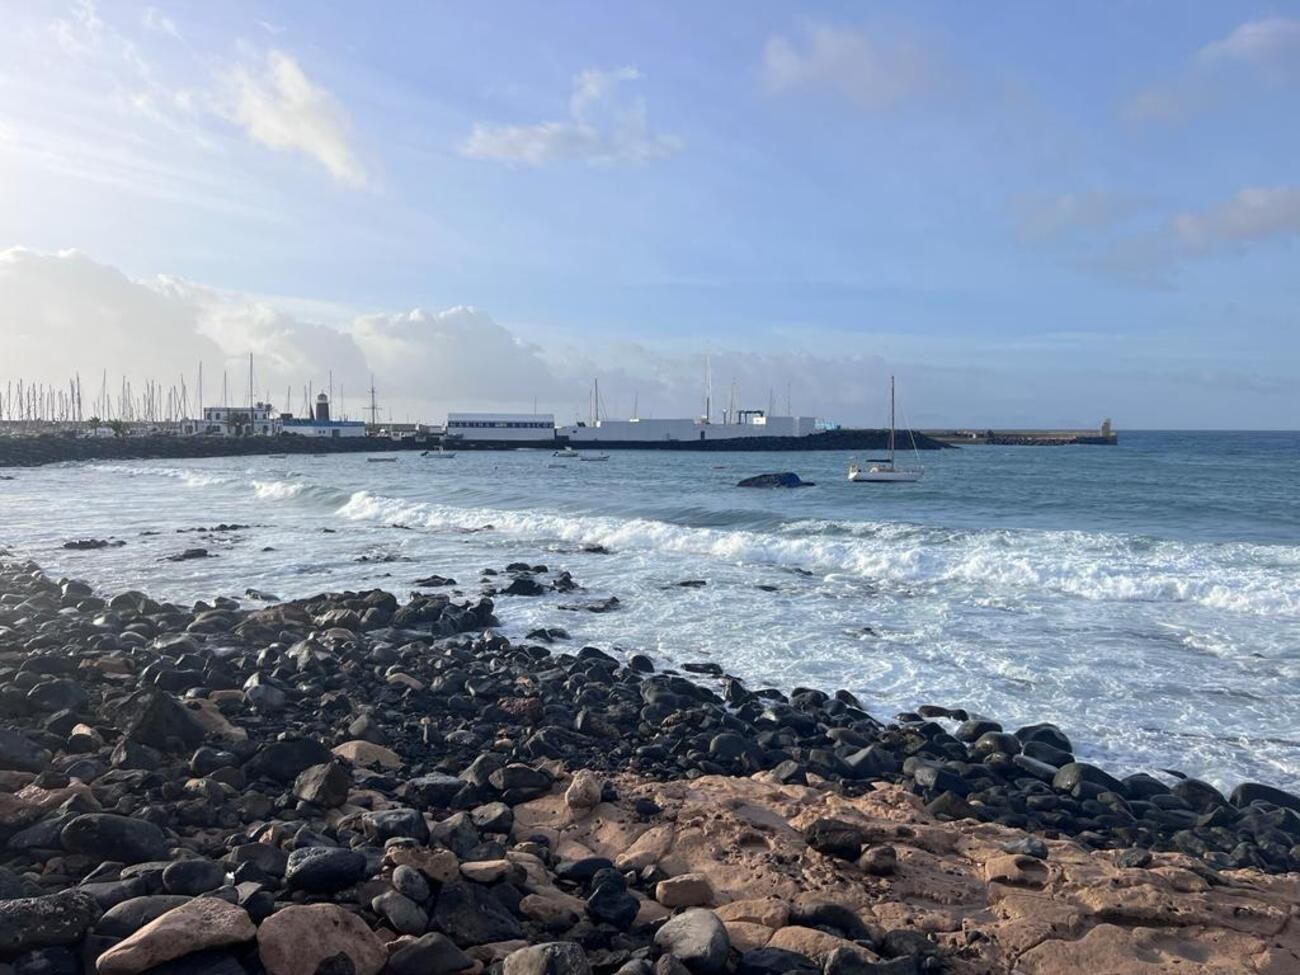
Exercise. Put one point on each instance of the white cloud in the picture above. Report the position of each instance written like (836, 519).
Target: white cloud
(1268, 50)
(1271, 45)
(1256, 213)
(155, 20)
(605, 126)
(873, 71)
(281, 108)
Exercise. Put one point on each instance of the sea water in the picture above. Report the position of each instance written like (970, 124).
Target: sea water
(1144, 597)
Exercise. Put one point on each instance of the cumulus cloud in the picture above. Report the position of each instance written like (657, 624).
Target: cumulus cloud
(1265, 50)
(873, 71)
(281, 108)
(1256, 213)
(605, 125)
(1271, 45)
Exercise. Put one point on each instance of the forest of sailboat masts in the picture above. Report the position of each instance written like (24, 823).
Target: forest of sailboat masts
(38, 407)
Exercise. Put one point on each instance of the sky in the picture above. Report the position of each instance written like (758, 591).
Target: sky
(1034, 214)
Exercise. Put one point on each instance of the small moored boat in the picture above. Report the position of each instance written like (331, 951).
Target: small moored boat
(568, 453)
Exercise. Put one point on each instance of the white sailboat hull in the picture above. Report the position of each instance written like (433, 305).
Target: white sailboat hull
(874, 475)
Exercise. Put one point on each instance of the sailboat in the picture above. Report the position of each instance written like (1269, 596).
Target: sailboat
(887, 471)
(441, 453)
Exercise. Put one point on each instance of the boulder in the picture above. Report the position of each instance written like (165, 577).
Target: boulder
(685, 890)
(203, 923)
(299, 940)
(552, 958)
(282, 761)
(835, 838)
(324, 869)
(786, 479)
(584, 791)
(697, 939)
(106, 836)
(325, 785)
(40, 922)
(155, 718)
(19, 754)
(431, 954)
(470, 915)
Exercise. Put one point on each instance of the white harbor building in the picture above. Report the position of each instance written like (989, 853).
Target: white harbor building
(524, 429)
(747, 424)
(260, 420)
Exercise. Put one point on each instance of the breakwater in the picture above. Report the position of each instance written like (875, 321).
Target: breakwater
(35, 451)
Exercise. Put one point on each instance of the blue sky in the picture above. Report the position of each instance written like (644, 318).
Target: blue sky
(1033, 213)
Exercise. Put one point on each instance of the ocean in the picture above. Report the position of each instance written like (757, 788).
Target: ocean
(1144, 597)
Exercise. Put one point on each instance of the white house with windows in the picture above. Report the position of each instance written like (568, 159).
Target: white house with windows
(240, 421)
(511, 428)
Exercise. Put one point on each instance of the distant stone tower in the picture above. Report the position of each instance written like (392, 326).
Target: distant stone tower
(323, 409)
(1105, 427)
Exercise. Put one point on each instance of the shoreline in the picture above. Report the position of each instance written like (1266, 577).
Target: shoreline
(36, 451)
(378, 734)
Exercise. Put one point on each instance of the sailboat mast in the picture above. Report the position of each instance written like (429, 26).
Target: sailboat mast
(891, 422)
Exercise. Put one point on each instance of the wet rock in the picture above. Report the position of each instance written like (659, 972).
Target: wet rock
(202, 924)
(1248, 792)
(299, 940)
(283, 761)
(787, 479)
(110, 837)
(520, 783)
(552, 958)
(41, 922)
(697, 939)
(776, 961)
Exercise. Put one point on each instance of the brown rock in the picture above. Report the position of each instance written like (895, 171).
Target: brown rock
(814, 944)
(648, 848)
(551, 913)
(584, 791)
(746, 936)
(1018, 870)
(769, 912)
(686, 890)
(205, 922)
(368, 755)
(491, 871)
(440, 866)
(296, 940)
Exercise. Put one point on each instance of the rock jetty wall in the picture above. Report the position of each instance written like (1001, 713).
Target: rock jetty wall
(35, 451)
(352, 784)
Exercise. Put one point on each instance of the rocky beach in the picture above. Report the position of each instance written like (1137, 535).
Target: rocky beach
(356, 783)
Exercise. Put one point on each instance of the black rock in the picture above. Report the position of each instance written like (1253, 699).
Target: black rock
(697, 939)
(776, 961)
(323, 869)
(42, 922)
(836, 838)
(610, 903)
(395, 823)
(1249, 792)
(787, 479)
(155, 718)
(282, 761)
(48, 961)
(110, 837)
(470, 915)
(20, 754)
(130, 916)
(193, 877)
(325, 785)
(431, 954)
